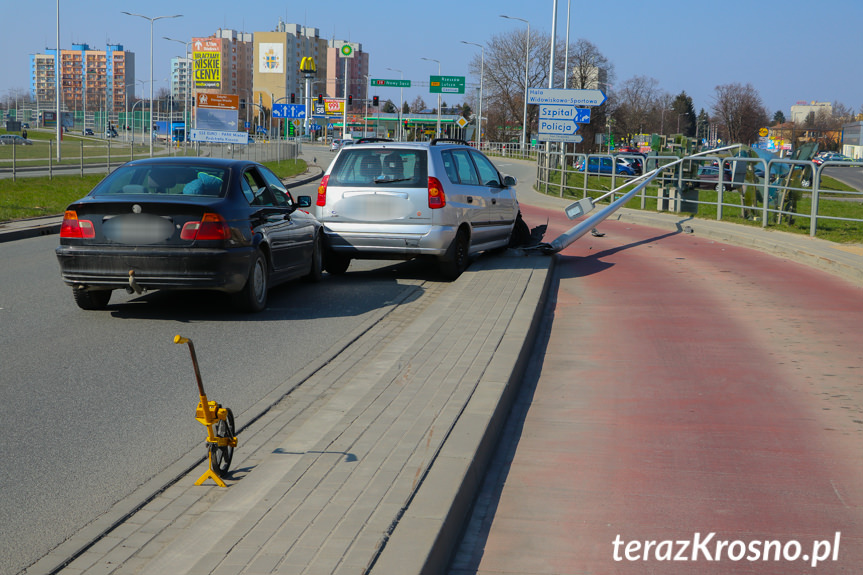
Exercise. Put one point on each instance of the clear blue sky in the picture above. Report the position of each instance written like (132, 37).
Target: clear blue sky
(789, 50)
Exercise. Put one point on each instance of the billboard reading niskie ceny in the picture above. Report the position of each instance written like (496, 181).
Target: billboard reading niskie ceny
(207, 55)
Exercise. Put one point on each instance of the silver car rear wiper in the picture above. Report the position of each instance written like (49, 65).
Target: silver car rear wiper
(381, 181)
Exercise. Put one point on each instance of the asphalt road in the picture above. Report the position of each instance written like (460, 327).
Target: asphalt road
(850, 176)
(95, 404)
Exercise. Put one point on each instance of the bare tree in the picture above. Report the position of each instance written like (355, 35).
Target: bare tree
(740, 111)
(635, 105)
(588, 68)
(418, 105)
(504, 77)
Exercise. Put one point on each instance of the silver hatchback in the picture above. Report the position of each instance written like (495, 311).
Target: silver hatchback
(400, 200)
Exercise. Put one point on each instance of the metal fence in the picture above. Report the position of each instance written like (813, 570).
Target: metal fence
(102, 156)
(793, 189)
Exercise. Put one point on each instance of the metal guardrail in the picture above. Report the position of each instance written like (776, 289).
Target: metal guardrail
(790, 186)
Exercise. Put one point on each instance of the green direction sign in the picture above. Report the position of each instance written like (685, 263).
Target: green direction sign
(391, 83)
(446, 84)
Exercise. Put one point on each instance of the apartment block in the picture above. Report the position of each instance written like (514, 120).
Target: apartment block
(91, 80)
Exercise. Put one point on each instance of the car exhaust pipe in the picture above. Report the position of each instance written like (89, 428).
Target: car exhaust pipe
(133, 285)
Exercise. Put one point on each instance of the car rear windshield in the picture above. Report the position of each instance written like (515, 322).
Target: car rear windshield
(188, 180)
(362, 166)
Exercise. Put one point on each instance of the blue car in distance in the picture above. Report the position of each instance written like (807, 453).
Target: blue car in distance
(602, 165)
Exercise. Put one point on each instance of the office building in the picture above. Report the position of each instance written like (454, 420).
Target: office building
(278, 55)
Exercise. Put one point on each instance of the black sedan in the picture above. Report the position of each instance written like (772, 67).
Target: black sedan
(188, 223)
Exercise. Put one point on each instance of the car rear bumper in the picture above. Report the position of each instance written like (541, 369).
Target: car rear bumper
(392, 240)
(156, 268)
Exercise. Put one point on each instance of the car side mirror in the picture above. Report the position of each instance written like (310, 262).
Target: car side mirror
(304, 201)
(509, 181)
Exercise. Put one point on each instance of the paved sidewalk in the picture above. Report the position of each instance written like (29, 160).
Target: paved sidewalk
(372, 460)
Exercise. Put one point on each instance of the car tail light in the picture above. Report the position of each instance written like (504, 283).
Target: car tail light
(210, 227)
(72, 227)
(436, 195)
(322, 191)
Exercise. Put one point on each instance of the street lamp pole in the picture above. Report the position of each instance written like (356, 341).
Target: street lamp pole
(187, 118)
(401, 105)
(526, 66)
(58, 92)
(481, 77)
(152, 20)
(437, 133)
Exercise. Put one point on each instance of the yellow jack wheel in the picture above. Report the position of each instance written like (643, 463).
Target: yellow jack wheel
(220, 455)
(219, 422)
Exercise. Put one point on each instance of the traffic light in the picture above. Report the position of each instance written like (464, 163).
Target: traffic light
(293, 98)
(320, 98)
(242, 104)
(350, 99)
(375, 101)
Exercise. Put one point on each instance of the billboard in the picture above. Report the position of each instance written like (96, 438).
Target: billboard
(207, 56)
(271, 58)
(217, 112)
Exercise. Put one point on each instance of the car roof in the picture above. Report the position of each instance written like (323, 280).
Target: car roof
(436, 143)
(194, 161)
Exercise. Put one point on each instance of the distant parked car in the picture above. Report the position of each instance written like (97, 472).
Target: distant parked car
(338, 144)
(830, 157)
(602, 165)
(634, 161)
(89, 132)
(14, 140)
(708, 177)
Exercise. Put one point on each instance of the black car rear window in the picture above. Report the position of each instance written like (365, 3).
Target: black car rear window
(185, 180)
(364, 166)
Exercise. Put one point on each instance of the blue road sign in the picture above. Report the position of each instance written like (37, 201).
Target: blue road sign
(561, 127)
(289, 111)
(562, 112)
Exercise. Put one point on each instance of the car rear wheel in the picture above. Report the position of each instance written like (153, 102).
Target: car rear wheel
(317, 260)
(336, 263)
(91, 299)
(253, 296)
(456, 259)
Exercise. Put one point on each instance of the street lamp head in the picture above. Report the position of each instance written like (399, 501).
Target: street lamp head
(514, 18)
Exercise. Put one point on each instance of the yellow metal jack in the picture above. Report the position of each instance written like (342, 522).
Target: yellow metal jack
(219, 421)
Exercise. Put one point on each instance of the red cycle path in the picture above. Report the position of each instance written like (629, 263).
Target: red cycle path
(687, 387)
